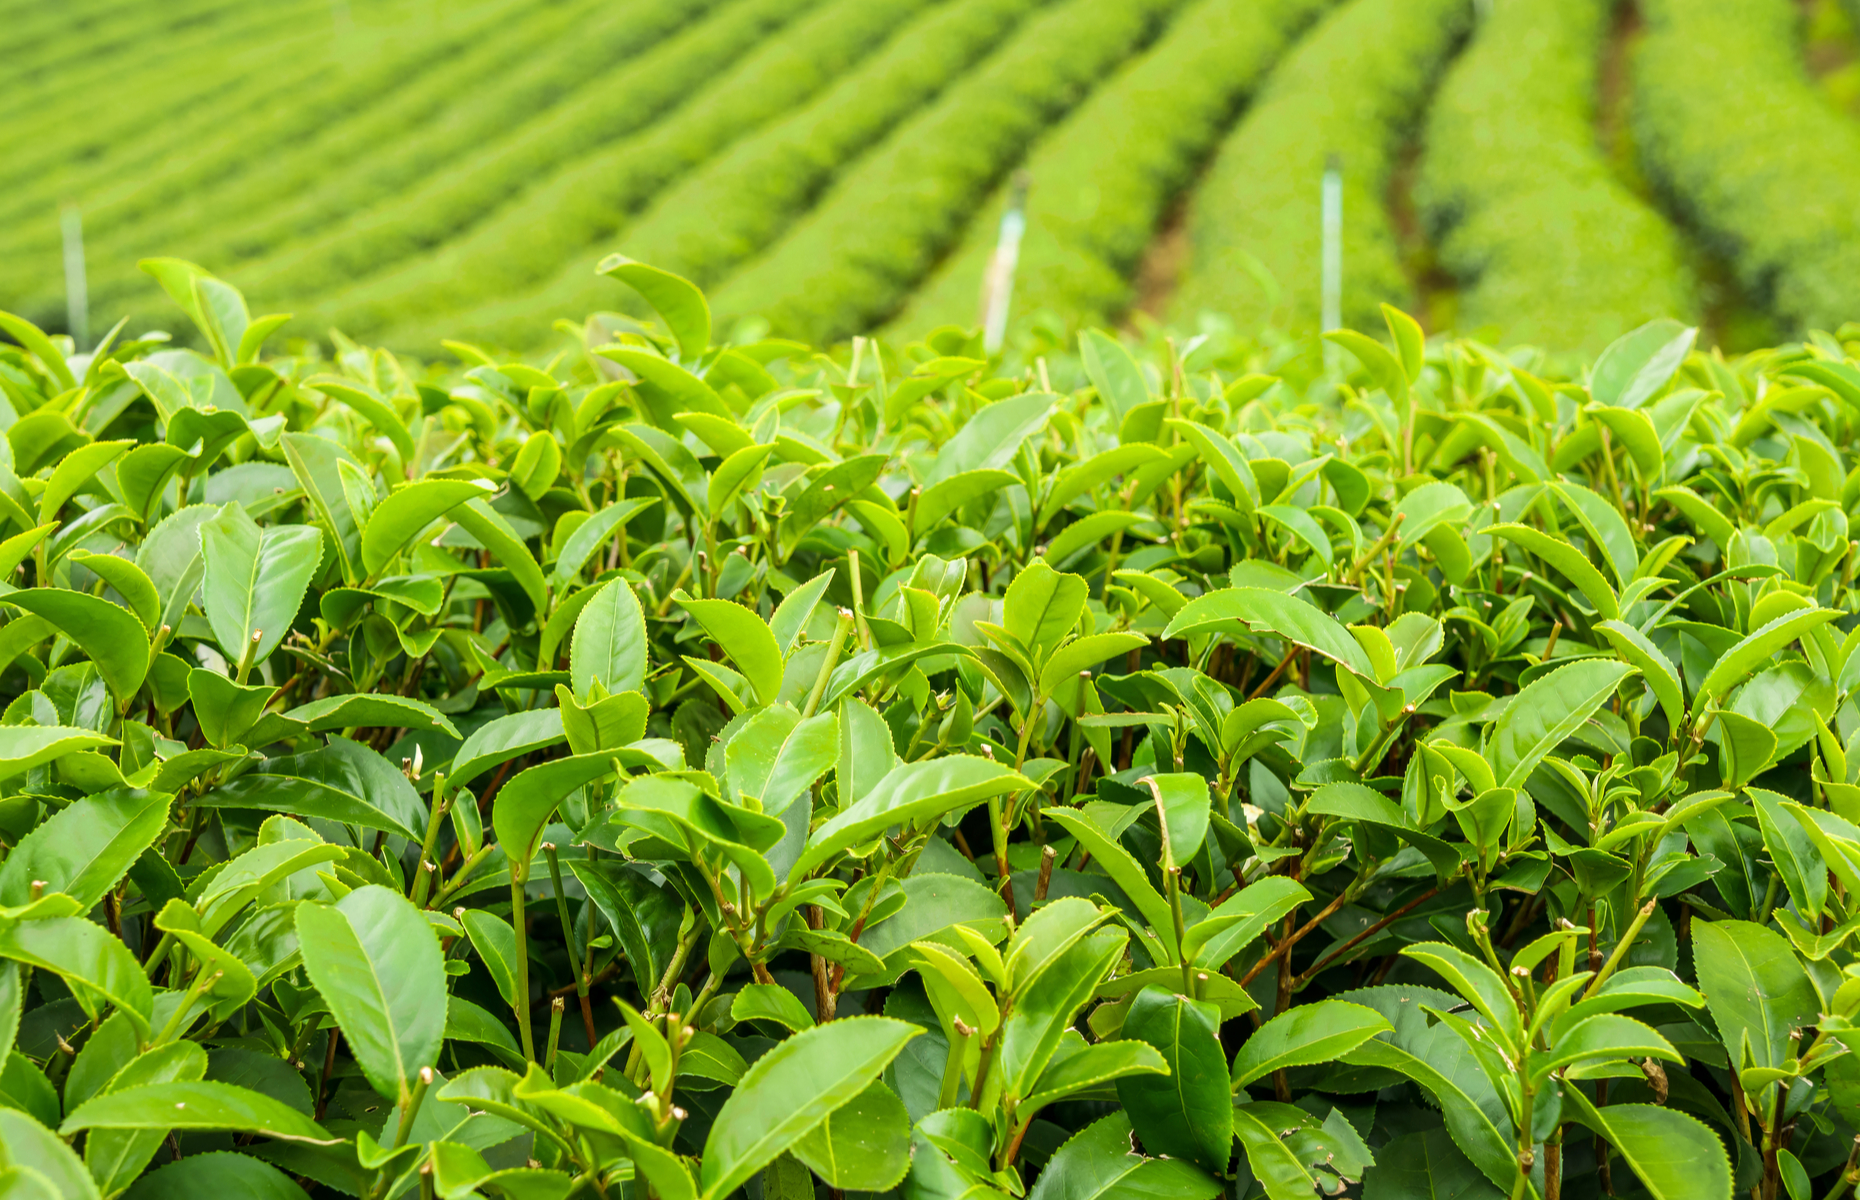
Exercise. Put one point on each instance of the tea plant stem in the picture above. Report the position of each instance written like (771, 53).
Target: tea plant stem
(1284, 948)
(858, 591)
(827, 664)
(1173, 877)
(423, 878)
(1621, 948)
(556, 1007)
(522, 966)
(410, 1109)
(461, 876)
(1337, 952)
(568, 939)
(323, 1092)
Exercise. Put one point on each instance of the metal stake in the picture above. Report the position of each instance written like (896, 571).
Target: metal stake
(998, 284)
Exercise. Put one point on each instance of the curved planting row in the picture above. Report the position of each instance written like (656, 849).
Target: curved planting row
(853, 261)
(1751, 153)
(732, 208)
(72, 35)
(1353, 88)
(586, 44)
(102, 107)
(1102, 180)
(406, 80)
(451, 201)
(1545, 243)
(98, 50)
(559, 217)
(446, 119)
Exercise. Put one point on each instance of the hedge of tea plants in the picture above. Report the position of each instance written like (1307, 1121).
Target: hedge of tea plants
(706, 767)
(1352, 90)
(403, 172)
(1101, 181)
(559, 213)
(1545, 242)
(880, 228)
(738, 205)
(1721, 82)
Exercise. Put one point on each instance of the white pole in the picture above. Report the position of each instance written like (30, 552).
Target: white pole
(998, 284)
(1331, 316)
(1333, 244)
(77, 291)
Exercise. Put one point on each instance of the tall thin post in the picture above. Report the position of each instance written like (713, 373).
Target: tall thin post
(998, 284)
(1331, 316)
(77, 290)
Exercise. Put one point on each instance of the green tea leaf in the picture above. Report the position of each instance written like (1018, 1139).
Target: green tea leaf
(373, 958)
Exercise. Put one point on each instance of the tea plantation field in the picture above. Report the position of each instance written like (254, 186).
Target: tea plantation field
(1542, 170)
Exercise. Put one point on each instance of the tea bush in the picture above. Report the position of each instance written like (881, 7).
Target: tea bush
(507, 252)
(633, 94)
(1733, 131)
(1526, 213)
(1355, 86)
(731, 209)
(148, 176)
(884, 224)
(1103, 179)
(700, 767)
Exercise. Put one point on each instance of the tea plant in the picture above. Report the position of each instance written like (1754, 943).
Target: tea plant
(590, 198)
(692, 767)
(1354, 86)
(1782, 218)
(732, 208)
(1104, 177)
(1524, 205)
(858, 254)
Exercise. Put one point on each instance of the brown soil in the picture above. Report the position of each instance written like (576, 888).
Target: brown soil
(1431, 286)
(1162, 264)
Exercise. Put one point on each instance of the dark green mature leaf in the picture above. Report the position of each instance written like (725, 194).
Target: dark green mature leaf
(343, 781)
(218, 1172)
(1187, 1114)
(373, 958)
(1758, 993)
(84, 849)
(1426, 1166)
(1097, 1163)
(203, 1105)
(791, 1090)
